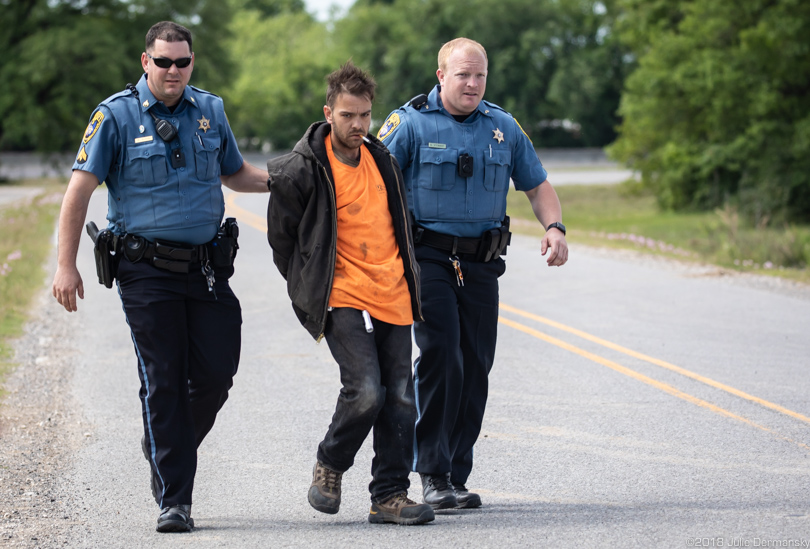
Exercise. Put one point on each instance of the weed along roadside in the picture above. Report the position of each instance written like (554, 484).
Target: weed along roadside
(28, 217)
(618, 216)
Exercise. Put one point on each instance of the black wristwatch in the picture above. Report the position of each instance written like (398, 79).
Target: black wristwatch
(557, 225)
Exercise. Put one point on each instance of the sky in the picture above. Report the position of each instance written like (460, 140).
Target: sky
(320, 8)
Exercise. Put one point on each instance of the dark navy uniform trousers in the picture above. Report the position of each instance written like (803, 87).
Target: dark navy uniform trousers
(456, 351)
(187, 343)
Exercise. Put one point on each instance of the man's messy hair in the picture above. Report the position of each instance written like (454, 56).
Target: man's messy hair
(351, 80)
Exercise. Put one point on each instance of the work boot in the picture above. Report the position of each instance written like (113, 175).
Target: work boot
(437, 491)
(399, 509)
(176, 518)
(465, 498)
(154, 480)
(324, 492)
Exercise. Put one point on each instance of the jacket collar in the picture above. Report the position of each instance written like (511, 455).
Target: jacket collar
(312, 145)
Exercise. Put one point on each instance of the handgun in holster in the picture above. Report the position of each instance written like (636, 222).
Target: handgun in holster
(105, 253)
(225, 244)
(494, 242)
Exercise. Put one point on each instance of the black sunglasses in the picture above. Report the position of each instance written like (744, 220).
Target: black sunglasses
(165, 62)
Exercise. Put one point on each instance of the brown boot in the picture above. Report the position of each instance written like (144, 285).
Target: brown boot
(398, 509)
(324, 492)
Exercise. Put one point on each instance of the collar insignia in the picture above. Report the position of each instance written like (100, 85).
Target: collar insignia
(498, 135)
(146, 103)
(205, 124)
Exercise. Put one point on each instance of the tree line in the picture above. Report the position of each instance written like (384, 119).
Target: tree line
(707, 100)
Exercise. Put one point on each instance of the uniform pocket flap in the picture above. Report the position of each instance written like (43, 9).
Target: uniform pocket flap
(439, 156)
(498, 158)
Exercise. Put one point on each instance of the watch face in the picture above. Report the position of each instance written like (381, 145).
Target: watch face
(557, 225)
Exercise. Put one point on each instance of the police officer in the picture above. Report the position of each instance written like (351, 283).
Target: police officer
(164, 148)
(458, 153)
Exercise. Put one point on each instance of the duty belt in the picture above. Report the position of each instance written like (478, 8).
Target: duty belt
(490, 245)
(169, 256)
(445, 242)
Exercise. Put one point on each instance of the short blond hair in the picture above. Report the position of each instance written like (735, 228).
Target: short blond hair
(464, 44)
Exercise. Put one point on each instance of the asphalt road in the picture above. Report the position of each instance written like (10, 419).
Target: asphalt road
(633, 403)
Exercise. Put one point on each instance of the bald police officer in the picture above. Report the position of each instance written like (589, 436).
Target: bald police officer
(164, 149)
(458, 153)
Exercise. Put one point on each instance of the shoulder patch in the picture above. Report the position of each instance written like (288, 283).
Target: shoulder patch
(93, 126)
(388, 128)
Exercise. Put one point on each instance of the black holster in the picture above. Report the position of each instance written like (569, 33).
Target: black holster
(494, 242)
(105, 252)
(225, 244)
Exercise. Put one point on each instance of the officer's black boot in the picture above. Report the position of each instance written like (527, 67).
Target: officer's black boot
(437, 491)
(465, 498)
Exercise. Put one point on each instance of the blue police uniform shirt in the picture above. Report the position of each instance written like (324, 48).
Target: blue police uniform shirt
(427, 143)
(147, 196)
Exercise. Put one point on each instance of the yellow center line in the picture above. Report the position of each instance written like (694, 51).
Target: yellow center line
(640, 377)
(657, 362)
(260, 223)
(256, 221)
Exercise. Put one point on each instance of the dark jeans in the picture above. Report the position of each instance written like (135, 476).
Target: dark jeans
(456, 351)
(377, 392)
(187, 344)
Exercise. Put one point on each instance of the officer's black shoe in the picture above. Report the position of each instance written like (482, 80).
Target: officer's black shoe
(437, 491)
(155, 482)
(465, 498)
(176, 518)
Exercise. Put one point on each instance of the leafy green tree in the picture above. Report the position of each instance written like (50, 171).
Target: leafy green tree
(548, 60)
(718, 111)
(282, 63)
(59, 59)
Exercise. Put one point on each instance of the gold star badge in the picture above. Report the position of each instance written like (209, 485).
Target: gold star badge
(205, 124)
(498, 135)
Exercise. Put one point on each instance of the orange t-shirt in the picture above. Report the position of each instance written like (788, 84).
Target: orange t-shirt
(369, 273)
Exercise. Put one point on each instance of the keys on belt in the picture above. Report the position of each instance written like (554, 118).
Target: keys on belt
(457, 268)
(170, 256)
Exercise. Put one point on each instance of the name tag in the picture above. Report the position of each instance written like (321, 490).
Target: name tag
(143, 139)
(437, 146)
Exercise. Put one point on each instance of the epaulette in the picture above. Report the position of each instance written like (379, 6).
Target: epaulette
(200, 90)
(494, 106)
(418, 102)
(113, 97)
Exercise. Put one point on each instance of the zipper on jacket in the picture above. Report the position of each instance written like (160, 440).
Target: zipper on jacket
(333, 249)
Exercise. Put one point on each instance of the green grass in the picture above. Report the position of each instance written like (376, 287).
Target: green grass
(25, 242)
(619, 216)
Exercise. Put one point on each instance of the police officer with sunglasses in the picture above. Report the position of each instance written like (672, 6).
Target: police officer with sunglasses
(164, 149)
